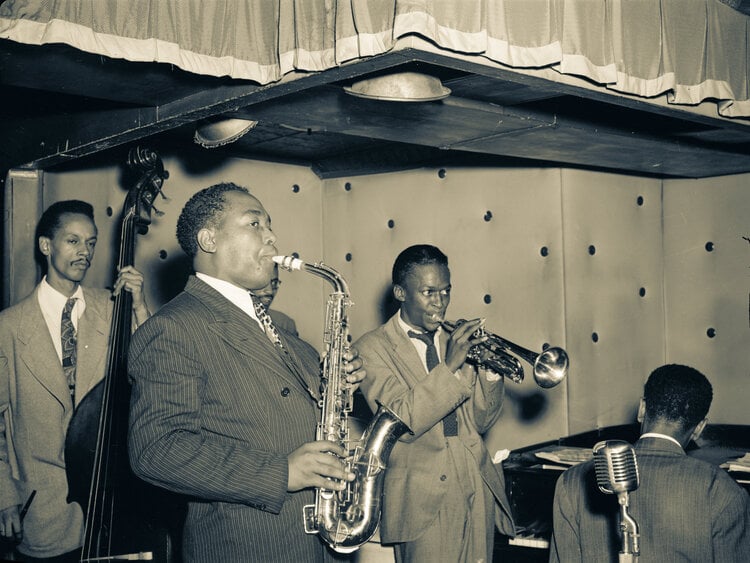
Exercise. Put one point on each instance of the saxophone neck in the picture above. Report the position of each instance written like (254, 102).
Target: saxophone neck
(319, 269)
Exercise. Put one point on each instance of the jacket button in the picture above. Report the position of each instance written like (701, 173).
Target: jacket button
(285, 392)
(443, 477)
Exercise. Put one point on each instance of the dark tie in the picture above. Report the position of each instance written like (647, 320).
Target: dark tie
(267, 323)
(68, 338)
(450, 423)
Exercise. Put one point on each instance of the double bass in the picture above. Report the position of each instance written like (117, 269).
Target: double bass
(125, 518)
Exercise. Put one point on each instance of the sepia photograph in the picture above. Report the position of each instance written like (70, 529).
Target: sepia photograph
(375, 281)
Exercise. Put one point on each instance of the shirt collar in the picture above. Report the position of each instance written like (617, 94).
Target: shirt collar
(406, 327)
(662, 436)
(53, 301)
(239, 296)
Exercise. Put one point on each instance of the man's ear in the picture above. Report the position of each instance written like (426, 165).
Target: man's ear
(206, 240)
(399, 293)
(44, 245)
(641, 410)
(698, 429)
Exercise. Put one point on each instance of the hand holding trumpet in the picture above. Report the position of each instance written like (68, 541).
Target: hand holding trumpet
(497, 354)
(461, 340)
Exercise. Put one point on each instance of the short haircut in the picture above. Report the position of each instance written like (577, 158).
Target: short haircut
(51, 220)
(416, 255)
(679, 394)
(205, 209)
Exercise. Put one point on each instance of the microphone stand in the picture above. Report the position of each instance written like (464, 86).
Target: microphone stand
(629, 532)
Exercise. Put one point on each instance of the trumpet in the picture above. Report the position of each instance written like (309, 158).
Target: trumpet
(498, 354)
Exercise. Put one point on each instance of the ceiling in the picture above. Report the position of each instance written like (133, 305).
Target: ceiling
(59, 104)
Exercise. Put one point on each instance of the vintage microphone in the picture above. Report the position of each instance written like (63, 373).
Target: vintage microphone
(617, 473)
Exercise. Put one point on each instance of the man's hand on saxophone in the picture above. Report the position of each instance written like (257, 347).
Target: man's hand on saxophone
(318, 464)
(354, 368)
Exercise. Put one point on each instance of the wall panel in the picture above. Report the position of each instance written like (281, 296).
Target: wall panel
(613, 293)
(707, 286)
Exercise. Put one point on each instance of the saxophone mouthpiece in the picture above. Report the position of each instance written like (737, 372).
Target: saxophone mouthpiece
(288, 262)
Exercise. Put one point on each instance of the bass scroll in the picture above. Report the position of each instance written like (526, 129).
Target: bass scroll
(346, 519)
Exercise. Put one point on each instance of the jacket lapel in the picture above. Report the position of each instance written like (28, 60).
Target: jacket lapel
(93, 338)
(411, 367)
(39, 352)
(244, 334)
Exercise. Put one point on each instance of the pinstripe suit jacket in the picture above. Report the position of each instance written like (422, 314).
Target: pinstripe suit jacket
(214, 413)
(415, 482)
(283, 321)
(36, 409)
(686, 510)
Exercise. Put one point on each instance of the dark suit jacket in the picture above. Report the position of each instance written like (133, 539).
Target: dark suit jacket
(414, 489)
(35, 411)
(283, 321)
(214, 413)
(686, 510)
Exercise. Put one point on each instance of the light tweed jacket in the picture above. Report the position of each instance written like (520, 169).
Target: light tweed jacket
(414, 483)
(36, 409)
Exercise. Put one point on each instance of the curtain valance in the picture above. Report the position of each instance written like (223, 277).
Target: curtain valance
(689, 50)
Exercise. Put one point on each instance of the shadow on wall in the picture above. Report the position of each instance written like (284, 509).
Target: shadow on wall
(528, 407)
(387, 305)
(170, 276)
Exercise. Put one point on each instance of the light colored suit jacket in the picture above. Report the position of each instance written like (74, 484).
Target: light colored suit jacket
(215, 411)
(36, 409)
(414, 489)
(686, 510)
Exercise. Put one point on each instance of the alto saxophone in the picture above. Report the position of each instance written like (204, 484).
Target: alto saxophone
(348, 518)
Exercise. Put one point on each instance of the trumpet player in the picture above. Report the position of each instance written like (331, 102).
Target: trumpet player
(443, 496)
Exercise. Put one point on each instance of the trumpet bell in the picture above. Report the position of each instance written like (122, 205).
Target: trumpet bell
(550, 367)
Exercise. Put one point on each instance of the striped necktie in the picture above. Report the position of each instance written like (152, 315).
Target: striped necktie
(68, 339)
(450, 422)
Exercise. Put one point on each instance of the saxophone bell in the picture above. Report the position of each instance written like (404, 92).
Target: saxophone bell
(348, 518)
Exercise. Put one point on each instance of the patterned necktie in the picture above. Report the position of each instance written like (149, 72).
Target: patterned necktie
(267, 323)
(68, 338)
(450, 422)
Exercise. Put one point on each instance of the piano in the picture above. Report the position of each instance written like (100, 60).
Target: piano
(532, 472)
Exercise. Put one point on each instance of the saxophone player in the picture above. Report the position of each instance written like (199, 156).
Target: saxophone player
(225, 407)
(443, 496)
